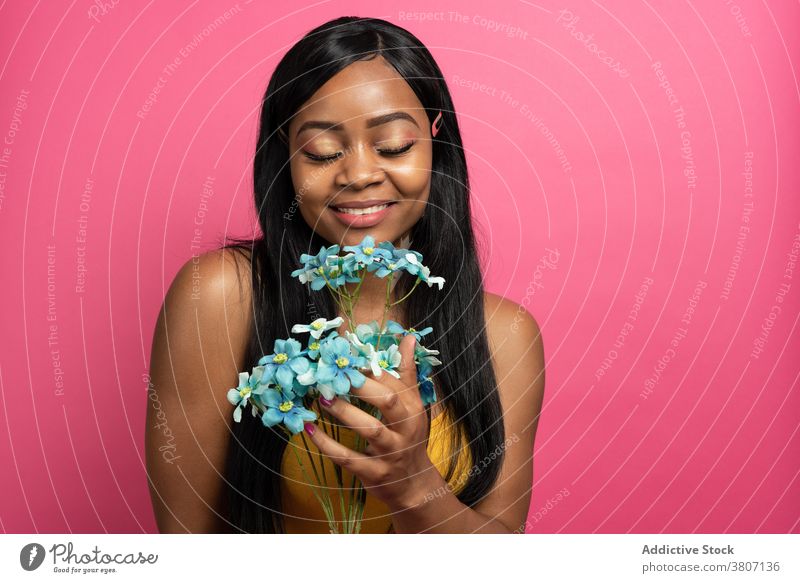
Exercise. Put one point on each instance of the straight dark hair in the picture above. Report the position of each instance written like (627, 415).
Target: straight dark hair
(444, 236)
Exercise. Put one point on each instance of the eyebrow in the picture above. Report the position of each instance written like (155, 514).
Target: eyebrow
(371, 123)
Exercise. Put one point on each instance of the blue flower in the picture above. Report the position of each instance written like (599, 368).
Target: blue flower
(427, 392)
(368, 334)
(386, 360)
(296, 389)
(312, 350)
(367, 253)
(337, 366)
(364, 349)
(393, 327)
(417, 334)
(392, 262)
(281, 409)
(340, 270)
(285, 363)
(314, 265)
(425, 357)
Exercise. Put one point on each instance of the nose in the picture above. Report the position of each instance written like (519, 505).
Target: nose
(359, 169)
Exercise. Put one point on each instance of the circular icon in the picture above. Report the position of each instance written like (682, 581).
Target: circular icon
(31, 556)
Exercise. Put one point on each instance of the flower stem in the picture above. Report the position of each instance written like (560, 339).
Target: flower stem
(339, 474)
(337, 470)
(356, 292)
(386, 307)
(327, 508)
(416, 283)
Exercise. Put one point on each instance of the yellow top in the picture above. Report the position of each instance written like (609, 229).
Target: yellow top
(302, 511)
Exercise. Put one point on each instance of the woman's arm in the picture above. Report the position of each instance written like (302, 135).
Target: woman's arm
(518, 357)
(198, 349)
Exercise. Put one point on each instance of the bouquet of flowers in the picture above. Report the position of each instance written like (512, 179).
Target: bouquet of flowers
(282, 386)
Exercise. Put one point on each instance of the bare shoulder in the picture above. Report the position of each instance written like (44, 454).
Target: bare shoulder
(199, 345)
(507, 321)
(517, 348)
(214, 279)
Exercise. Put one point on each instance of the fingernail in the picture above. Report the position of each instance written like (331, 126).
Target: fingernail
(309, 427)
(325, 401)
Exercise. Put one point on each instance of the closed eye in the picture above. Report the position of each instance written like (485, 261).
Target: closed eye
(321, 158)
(401, 150)
(385, 151)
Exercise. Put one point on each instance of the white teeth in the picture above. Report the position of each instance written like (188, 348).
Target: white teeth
(366, 211)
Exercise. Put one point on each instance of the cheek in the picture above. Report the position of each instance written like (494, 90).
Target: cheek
(310, 187)
(412, 178)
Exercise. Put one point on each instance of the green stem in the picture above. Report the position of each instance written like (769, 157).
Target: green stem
(416, 283)
(386, 307)
(356, 292)
(352, 509)
(339, 473)
(335, 293)
(332, 432)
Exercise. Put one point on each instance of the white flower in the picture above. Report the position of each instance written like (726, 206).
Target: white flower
(363, 348)
(318, 327)
(437, 280)
(426, 277)
(386, 360)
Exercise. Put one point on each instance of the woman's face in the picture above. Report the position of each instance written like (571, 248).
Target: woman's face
(362, 140)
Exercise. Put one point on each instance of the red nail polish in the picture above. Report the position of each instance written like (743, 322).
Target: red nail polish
(325, 401)
(310, 428)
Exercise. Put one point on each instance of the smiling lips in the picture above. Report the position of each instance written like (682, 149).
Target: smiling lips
(362, 214)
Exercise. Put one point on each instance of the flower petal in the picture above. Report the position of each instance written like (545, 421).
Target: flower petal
(299, 364)
(272, 398)
(234, 397)
(271, 417)
(326, 391)
(284, 376)
(326, 372)
(308, 377)
(341, 384)
(356, 377)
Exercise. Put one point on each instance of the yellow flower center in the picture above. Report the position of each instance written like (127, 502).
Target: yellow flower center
(342, 361)
(285, 406)
(412, 329)
(368, 250)
(334, 272)
(316, 325)
(280, 358)
(320, 270)
(314, 346)
(384, 364)
(244, 391)
(391, 266)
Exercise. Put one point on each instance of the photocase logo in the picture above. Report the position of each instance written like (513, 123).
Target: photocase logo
(31, 556)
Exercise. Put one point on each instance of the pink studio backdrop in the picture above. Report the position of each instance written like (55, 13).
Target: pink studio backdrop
(636, 184)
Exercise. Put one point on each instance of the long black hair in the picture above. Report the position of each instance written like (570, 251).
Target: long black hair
(444, 236)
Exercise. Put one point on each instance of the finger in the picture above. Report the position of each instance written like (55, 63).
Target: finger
(387, 398)
(367, 426)
(408, 368)
(353, 461)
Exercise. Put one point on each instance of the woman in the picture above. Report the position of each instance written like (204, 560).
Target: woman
(356, 116)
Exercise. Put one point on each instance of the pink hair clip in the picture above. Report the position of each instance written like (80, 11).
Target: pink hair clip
(434, 128)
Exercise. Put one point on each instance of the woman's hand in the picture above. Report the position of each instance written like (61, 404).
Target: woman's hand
(395, 466)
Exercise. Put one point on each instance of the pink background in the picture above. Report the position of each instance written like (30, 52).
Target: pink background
(566, 153)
